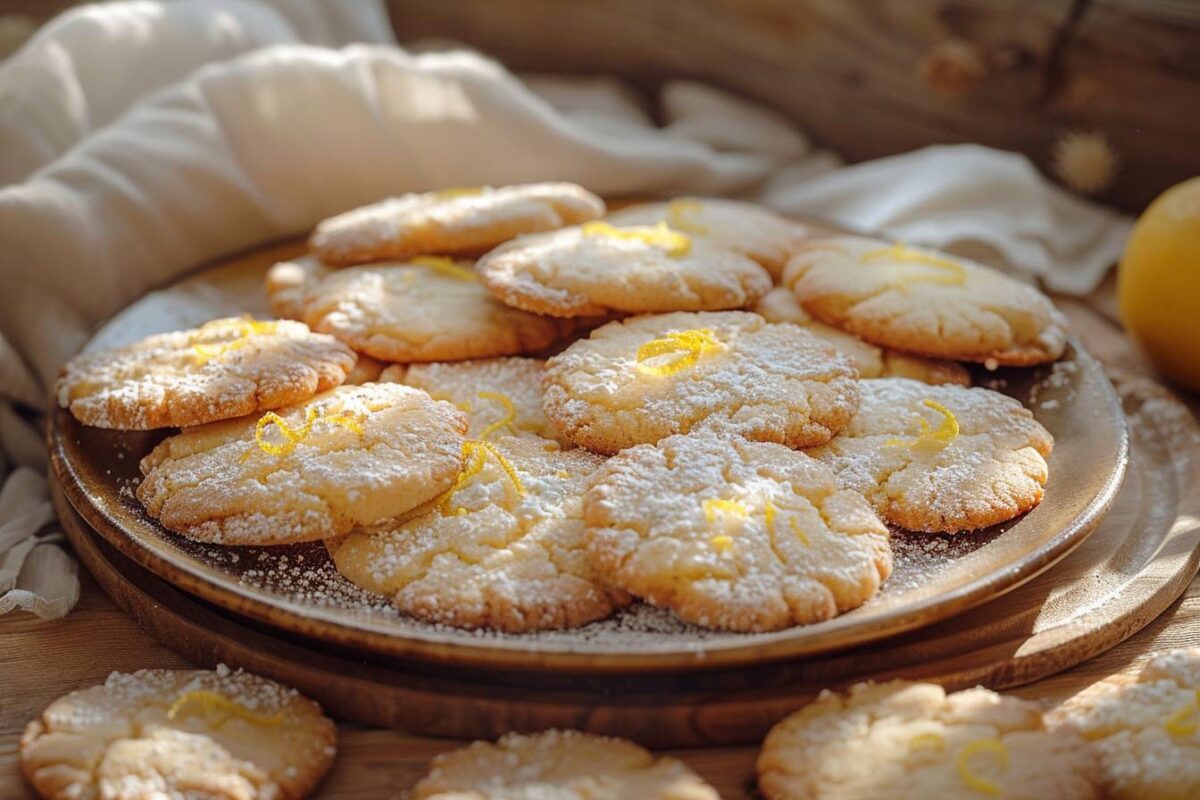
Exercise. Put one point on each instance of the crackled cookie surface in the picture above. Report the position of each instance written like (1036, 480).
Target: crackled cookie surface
(504, 549)
(559, 765)
(167, 734)
(223, 369)
(638, 380)
(780, 305)
(732, 534)
(1145, 730)
(941, 458)
(924, 302)
(452, 221)
(597, 268)
(500, 396)
(752, 230)
(352, 456)
(427, 309)
(912, 741)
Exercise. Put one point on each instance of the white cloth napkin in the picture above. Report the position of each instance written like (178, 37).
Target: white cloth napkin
(228, 133)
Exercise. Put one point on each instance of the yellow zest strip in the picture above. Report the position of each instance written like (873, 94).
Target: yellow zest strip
(1177, 724)
(713, 505)
(244, 328)
(688, 347)
(675, 243)
(350, 420)
(978, 747)
(769, 517)
(214, 701)
(291, 436)
(954, 273)
(445, 266)
(510, 414)
(475, 453)
(459, 191)
(722, 543)
(932, 740)
(800, 534)
(945, 433)
(473, 457)
(677, 211)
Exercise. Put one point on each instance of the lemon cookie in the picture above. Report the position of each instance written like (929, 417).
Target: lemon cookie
(223, 369)
(941, 458)
(640, 379)
(752, 230)
(450, 221)
(925, 302)
(500, 396)
(352, 456)
(179, 734)
(427, 309)
(780, 305)
(732, 534)
(559, 765)
(503, 549)
(1145, 729)
(366, 370)
(912, 741)
(596, 268)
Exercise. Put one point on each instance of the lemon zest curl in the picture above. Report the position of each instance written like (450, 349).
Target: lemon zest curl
(215, 701)
(660, 235)
(687, 347)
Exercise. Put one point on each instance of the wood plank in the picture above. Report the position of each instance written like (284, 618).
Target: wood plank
(852, 74)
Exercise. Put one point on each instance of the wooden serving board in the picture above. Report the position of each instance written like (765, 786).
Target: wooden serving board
(1138, 561)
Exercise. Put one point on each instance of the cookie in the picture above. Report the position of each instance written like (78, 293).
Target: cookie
(451, 221)
(503, 549)
(732, 534)
(500, 396)
(179, 734)
(559, 765)
(941, 458)
(1145, 730)
(912, 741)
(428, 309)
(366, 370)
(353, 456)
(597, 268)
(924, 302)
(223, 369)
(752, 230)
(640, 379)
(780, 305)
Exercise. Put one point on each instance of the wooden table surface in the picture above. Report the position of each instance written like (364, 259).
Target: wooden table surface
(41, 660)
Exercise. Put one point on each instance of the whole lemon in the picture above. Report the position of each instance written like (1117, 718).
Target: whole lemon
(1158, 283)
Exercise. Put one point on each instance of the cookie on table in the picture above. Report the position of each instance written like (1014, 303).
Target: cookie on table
(179, 734)
(941, 458)
(925, 302)
(352, 456)
(554, 765)
(752, 230)
(1145, 730)
(733, 534)
(638, 380)
(500, 396)
(597, 268)
(223, 369)
(427, 309)
(503, 549)
(912, 741)
(780, 305)
(451, 221)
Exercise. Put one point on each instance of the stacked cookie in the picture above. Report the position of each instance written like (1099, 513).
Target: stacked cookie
(693, 403)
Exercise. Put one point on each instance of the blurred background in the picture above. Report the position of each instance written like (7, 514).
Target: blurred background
(870, 79)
